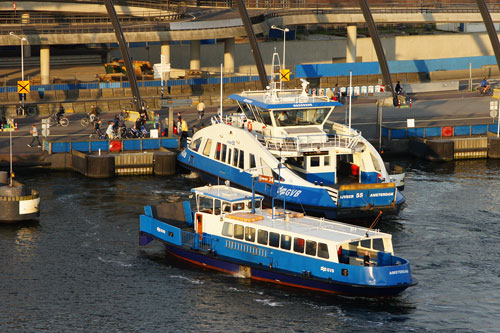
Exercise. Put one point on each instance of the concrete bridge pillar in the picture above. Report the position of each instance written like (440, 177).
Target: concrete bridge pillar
(194, 62)
(229, 55)
(45, 64)
(352, 32)
(165, 56)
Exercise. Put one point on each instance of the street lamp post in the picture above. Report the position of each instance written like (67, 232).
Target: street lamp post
(285, 30)
(22, 39)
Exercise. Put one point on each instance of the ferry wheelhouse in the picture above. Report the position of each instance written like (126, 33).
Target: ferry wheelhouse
(226, 230)
(325, 168)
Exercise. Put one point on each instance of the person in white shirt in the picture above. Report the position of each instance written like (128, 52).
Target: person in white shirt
(34, 133)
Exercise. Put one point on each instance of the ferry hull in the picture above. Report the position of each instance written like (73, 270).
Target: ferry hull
(321, 211)
(274, 276)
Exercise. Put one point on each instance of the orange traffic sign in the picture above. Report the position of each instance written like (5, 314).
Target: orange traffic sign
(23, 87)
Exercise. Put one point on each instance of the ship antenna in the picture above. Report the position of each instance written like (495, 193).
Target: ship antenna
(374, 223)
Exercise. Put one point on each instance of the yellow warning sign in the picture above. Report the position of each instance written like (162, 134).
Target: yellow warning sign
(496, 93)
(284, 75)
(23, 87)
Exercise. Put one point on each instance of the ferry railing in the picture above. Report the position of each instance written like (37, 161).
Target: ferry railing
(197, 242)
(312, 142)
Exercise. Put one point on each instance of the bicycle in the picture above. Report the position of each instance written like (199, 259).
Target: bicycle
(63, 121)
(88, 119)
(487, 92)
(98, 135)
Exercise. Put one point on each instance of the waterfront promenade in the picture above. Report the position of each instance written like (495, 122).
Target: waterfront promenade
(428, 109)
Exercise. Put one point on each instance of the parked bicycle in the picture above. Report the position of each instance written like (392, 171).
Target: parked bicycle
(63, 121)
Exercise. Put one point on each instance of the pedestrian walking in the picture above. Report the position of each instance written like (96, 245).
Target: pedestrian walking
(201, 110)
(34, 133)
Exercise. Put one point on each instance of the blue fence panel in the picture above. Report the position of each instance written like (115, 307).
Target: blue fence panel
(176, 83)
(399, 133)
(87, 86)
(152, 83)
(416, 132)
(80, 146)
(43, 87)
(236, 79)
(461, 130)
(102, 145)
(133, 144)
(11, 89)
(197, 81)
(432, 131)
(2, 90)
(61, 147)
(150, 144)
(385, 132)
(170, 143)
(479, 129)
(493, 128)
(126, 84)
(64, 86)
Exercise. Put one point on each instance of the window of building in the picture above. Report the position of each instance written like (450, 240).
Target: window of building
(195, 145)
(262, 237)
(208, 147)
(311, 248)
(323, 251)
(286, 242)
(250, 234)
(241, 163)
(298, 245)
(238, 231)
(227, 229)
(274, 239)
(378, 244)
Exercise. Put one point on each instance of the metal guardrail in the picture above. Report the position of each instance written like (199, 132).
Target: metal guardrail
(307, 143)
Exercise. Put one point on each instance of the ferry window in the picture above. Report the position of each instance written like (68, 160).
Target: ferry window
(252, 161)
(241, 163)
(217, 206)
(208, 146)
(298, 245)
(238, 231)
(229, 155)
(366, 243)
(319, 116)
(315, 161)
(378, 244)
(195, 145)
(250, 234)
(224, 149)
(286, 242)
(274, 239)
(355, 244)
(217, 151)
(206, 204)
(266, 170)
(262, 237)
(323, 251)
(257, 204)
(326, 160)
(227, 229)
(295, 161)
(266, 117)
(246, 110)
(226, 207)
(235, 157)
(311, 248)
(238, 206)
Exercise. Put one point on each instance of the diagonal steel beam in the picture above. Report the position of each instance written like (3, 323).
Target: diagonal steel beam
(377, 44)
(253, 43)
(126, 57)
(490, 27)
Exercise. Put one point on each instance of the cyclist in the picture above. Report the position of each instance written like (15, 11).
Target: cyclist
(60, 113)
(485, 86)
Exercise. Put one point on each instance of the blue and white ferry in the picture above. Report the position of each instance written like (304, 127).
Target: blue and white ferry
(228, 231)
(323, 168)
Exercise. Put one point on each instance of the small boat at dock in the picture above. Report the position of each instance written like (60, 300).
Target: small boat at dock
(228, 229)
(17, 202)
